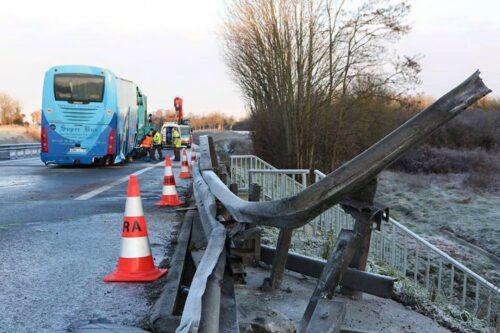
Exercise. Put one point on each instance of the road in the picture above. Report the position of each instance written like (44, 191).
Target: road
(60, 231)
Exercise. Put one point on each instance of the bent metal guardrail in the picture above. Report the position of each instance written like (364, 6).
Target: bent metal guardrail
(17, 150)
(394, 244)
(431, 268)
(298, 210)
(202, 309)
(203, 305)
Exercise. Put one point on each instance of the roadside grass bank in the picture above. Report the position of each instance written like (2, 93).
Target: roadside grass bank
(18, 134)
(463, 223)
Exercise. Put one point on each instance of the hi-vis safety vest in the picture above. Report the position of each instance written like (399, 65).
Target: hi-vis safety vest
(146, 143)
(177, 139)
(157, 138)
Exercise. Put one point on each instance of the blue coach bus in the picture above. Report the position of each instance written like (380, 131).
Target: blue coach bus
(89, 116)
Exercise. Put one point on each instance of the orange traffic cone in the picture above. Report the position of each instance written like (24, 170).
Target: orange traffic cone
(136, 262)
(169, 195)
(193, 157)
(184, 166)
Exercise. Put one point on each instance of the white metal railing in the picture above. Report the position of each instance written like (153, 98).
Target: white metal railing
(241, 164)
(444, 278)
(278, 183)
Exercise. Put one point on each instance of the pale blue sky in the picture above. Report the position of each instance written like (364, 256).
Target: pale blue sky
(170, 47)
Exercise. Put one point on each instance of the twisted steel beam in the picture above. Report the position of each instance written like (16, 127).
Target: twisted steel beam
(298, 210)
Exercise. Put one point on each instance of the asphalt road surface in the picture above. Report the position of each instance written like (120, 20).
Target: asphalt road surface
(60, 231)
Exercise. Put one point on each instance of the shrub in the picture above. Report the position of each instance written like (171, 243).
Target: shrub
(428, 159)
(469, 130)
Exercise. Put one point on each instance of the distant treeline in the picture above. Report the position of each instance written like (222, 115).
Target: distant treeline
(217, 121)
(10, 111)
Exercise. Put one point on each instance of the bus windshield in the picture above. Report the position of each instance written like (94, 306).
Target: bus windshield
(78, 88)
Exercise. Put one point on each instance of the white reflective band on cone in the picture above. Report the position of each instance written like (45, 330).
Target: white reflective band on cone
(184, 169)
(135, 247)
(169, 190)
(133, 207)
(168, 171)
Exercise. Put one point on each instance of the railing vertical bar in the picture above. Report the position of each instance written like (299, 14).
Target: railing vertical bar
(405, 267)
(427, 272)
(393, 246)
(283, 186)
(379, 245)
(452, 278)
(246, 169)
(415, 274)
(476, 299)
(337, 221)
(464, 290)
(273, 186)
(440, 275)
(488, 308)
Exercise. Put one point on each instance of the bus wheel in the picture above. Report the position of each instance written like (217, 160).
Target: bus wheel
(99, 162)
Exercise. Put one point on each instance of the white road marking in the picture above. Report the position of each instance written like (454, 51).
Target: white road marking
(104, 188)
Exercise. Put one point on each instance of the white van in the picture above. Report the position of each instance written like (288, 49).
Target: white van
(184, 130)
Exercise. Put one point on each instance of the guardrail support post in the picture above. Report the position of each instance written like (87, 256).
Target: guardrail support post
(208, 157)
(279, 263)
(233, 187)
(254, 195)
(254, 192)
(361, 207)
(336, 266)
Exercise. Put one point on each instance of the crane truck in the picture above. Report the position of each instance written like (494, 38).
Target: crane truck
(178, 121)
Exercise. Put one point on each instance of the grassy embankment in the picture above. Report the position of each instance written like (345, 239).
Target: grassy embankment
(18, 134)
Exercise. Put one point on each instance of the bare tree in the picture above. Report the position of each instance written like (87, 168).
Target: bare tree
(303, 65)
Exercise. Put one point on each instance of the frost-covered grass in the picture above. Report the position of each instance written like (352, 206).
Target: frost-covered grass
(307, 245)
(417, 298)
(463, 223)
